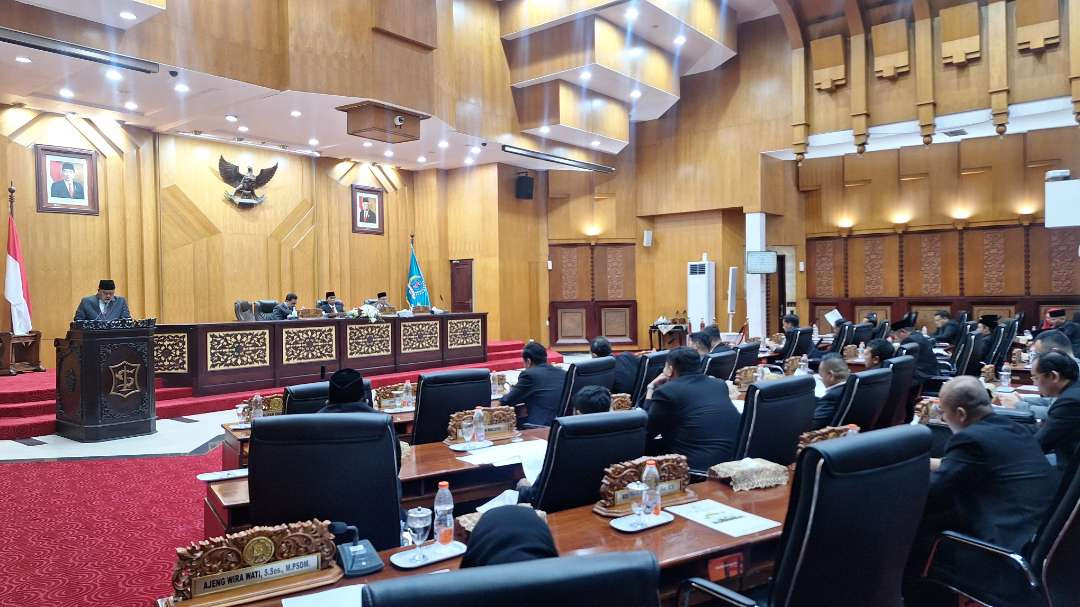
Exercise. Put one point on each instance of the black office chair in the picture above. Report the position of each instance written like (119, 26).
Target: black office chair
(775, 414)
(309, 398)
(654, 364)
(881, 330)
(864, 332)
(720, 365)
(899, 408)
(911, 350)
(864, 396)
(243, 310)
(957, 366)
(843, 510)
(796, 343)
(746, 356)
(329, 467)
(592, 372)
(962, 318)
(1043, 573)
(264, 309)
(579, 448)
(627, 579)
(440, 394)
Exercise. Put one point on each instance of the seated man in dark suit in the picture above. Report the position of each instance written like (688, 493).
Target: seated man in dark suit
(690, 413)
(626, 366)
(332, 305)
(993, 481)
(1055, 374)
(926, 364)
(700, 342)
(877, 352)
(106, 305)
(1059, 320)
(539, 386)
(1051, 340)
(834, 373)
(790, 322)
(716, 343)
(285, 310)
(948, 330)
(347, 393)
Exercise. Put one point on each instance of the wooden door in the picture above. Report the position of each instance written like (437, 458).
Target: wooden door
(461, 285)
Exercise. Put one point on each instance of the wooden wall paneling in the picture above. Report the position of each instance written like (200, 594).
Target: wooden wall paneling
(571, 273)
(871, 188)
(891, 56)
(994, 262)
(1054, 266)
(860, 118)
(1040, 73)
(825, 267)
(411, 20)
(1037, 24)
(892, 99)
(517, 16)
(930, 265)
(960, 39)
(522, 260)
(991, 177)
(552, 50)
(1002, 311)
(613, 272)
(883, 311)
(1074, 56)
(654, 67)
(963, 86)
(929, 183)
(828, 64)
(872, 263)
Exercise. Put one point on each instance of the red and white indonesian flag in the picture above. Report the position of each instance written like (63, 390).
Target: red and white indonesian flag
(15, 289)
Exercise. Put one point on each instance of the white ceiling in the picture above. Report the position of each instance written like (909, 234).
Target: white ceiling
(106, 12)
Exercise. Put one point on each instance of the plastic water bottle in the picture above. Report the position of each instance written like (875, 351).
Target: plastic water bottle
(804, 365)
(816, 333)
(407, 394)
(760, 373)
(925, 332)
(862, 350)
(478, 425)
(444, 514)
(1006, 375)
(651, 478)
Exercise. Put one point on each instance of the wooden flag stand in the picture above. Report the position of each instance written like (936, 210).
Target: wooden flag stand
(19, 353)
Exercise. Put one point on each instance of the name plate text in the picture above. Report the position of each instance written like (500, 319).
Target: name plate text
(237, 578)
(623, 496)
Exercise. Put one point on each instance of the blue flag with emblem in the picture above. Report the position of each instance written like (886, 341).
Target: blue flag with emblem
(416, 292)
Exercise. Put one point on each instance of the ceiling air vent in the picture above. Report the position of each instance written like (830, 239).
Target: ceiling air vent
(955, 133)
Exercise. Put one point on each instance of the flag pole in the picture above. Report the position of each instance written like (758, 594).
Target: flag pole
(11, 198)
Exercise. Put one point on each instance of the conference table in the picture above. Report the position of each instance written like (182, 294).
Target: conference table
(683, 548)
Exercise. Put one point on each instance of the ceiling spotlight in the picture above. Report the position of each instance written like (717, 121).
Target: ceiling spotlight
(443, 144)
(544, 130)
(597, 102)
(131, 106)
(66, 93)
(585, 76)
(295, 113)
(367, 144)
(635, 94)
(231, 117)
(21, 59)
(595, 143)
(422, 159)
(388, 153)
(242, 128)
(313, 142)
(636, 51)
(679, 40)
(469, 160)
(631, 13)
(181, 87)
(127, 16)
(474, 149)
(72, 115)
(114, 75)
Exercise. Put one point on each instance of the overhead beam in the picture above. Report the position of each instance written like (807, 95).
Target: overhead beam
(998, 60)
(924, 68)
(799, 125)
(860, 113)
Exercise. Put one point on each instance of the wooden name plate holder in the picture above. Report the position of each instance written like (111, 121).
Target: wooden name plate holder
(674, 484)
(621, 402)
(385, 394)
(500, 422)
(252, 565)
(989, 374)
(827, 433)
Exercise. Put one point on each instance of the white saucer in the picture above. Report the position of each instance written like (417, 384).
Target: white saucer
(471, 446)
(626, 523)
(433, 553)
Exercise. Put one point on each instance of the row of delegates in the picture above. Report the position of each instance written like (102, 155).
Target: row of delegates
(331, 305)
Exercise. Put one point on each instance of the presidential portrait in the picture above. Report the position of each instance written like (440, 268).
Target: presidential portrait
(66, 180)
(367, 210)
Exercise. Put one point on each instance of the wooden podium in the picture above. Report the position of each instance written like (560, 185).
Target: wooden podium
(105, 380)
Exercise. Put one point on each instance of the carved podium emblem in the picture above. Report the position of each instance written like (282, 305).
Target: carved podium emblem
(125, 379)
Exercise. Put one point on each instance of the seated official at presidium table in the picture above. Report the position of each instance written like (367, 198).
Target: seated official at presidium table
(105, 305)
(331, 304)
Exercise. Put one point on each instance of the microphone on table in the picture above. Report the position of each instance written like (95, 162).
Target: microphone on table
(357, 557)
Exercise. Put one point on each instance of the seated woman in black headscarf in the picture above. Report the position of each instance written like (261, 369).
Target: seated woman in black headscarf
(508, 534)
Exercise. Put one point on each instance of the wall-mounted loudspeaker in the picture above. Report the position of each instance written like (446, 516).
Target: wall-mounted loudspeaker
(523, 187)
(647, 240)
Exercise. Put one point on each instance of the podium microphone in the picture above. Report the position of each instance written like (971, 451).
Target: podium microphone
(357, 557)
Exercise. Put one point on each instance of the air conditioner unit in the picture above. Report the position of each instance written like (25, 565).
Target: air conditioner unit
(700, 293)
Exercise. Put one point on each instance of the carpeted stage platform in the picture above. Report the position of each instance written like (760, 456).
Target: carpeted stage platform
(28, 401)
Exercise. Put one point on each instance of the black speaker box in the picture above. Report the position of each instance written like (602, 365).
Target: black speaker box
(523, 187)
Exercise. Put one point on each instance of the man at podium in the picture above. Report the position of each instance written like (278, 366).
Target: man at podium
(106, 305)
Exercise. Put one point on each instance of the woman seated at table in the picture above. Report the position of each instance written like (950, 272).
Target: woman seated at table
(509, 534)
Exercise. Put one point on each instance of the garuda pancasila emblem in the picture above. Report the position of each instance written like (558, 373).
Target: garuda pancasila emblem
(245, 184)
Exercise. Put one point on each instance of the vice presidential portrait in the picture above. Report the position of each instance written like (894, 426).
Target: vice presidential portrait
(66, 180)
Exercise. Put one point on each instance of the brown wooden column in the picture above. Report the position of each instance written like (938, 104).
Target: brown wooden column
(924, 68)
(998, 48)
(1074, 55)
(860, 114)
(799, 122)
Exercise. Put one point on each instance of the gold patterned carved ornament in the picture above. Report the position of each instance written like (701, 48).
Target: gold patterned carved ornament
(170, 353)
(674, 483)
(621, 402)
(499, 422)
(125, 379)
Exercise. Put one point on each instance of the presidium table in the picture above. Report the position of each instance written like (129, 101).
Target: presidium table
(215, 358)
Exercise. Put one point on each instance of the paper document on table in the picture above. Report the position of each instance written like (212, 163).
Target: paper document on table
(531, 465)
(506, 498)
(344, 596)
(833, 316)
(502, 455)
(725, 519)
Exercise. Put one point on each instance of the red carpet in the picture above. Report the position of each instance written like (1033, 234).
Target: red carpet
(97, 532)
(28, 400)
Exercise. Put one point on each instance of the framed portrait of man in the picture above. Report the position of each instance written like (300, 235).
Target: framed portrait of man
(367, 210)
(66, 180)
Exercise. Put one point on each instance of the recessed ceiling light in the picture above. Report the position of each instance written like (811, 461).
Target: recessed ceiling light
(313, 142)
(127, 16)
(295, 113)
(242, 128)
(636, 51)
(544, 130)
(597, 102)
(21, 59)
(631, 13)
(231, 117)
(114, 75)
(367, 144)
(131, 106)
(66, 93)
(181, 87)
(469, 160)
(585, 76)
(388, 153)
(635, 94)
(679, 40)
(444, 144)
(421, 159)
(474, 149)
(595, 143)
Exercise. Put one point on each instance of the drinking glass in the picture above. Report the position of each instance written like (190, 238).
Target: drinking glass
(418, 521)
(467, 430)
(240, 414)
(636, 492)
(494, 388)
(650, 500)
